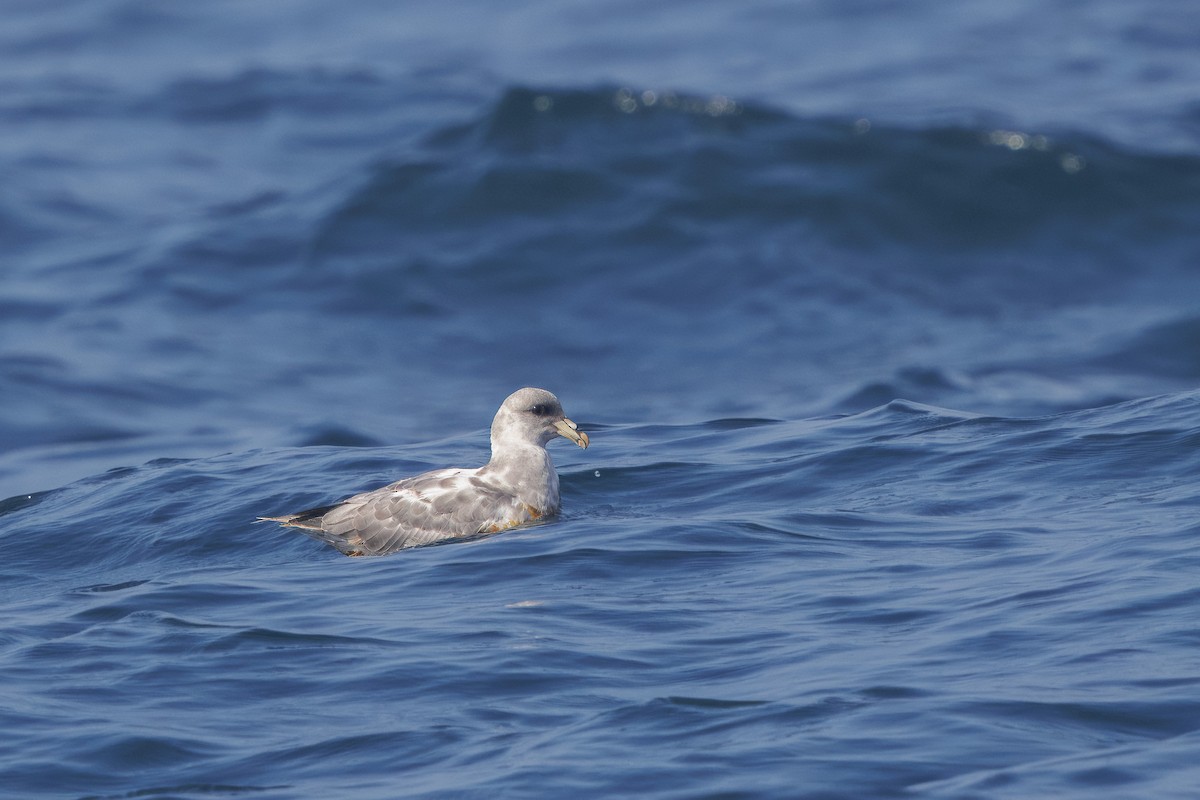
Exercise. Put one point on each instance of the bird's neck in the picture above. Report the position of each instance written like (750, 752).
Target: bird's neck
(516, 454)
(529, 468)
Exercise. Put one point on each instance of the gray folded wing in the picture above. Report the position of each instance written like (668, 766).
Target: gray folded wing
(427, 508)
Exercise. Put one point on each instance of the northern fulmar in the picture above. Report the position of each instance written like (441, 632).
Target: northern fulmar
(518, 485)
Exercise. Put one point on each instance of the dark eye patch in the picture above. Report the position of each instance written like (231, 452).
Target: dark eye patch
(541, 410)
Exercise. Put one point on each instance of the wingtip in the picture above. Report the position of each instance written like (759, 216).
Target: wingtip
(304, 521)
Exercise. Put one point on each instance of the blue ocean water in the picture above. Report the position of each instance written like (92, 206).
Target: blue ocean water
(882, 319)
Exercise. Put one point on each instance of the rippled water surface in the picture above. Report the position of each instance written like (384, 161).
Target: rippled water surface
(882, 321)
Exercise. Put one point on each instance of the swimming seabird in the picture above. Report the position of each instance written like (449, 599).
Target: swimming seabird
(518, 485)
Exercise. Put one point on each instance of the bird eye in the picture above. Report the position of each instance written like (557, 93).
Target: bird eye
(540, 410)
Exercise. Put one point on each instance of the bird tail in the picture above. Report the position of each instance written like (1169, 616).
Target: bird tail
(309, 520)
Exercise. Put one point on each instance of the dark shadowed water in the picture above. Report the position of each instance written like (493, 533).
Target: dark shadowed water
(884, 320)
